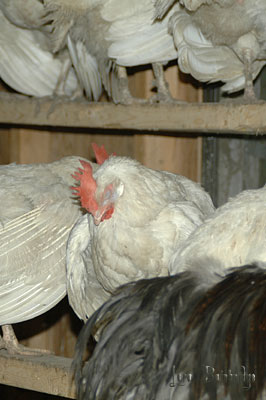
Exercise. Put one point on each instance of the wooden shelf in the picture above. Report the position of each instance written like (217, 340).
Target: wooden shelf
(47, 374)
(222, 118)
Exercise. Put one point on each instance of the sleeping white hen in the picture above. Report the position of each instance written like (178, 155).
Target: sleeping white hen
(115, 34)
(220, 40)
(137, 218)
(37, 211)
(26, 61)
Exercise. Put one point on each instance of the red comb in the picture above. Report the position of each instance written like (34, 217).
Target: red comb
(87, 187)
(100, 153)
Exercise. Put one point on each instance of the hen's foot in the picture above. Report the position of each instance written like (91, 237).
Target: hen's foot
(162, 98)
(10, 343)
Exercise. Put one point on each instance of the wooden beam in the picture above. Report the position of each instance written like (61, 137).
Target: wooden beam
(191, 118)
(46, 374)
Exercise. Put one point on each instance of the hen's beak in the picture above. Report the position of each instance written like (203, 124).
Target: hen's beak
(104, 212)
(97, 218)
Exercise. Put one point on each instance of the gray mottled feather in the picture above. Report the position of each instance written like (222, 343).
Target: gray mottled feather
(152, 330)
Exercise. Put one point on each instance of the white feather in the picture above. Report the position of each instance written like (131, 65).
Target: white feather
(26, 65)
(135, 38)
(37, 212)
(234, 235)
(231, 28)
(154, 213)
(86, 68)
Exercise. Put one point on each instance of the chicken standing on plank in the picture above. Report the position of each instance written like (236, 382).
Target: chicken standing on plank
(220, 40)
(235, 234)
(26, 61)
(136, 219)
(115, 34)
(37, 211)
(167, 338)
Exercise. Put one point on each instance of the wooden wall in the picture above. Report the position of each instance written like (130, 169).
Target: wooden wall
(57, 329)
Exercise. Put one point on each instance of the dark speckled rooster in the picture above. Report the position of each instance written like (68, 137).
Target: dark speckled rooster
(190, 336)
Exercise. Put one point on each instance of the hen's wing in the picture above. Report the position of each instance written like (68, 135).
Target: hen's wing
(134, 37)
(84, 291)
(64, 18)
(184, 189)
(27, 65)
(32, 258)
(37, 211)
(86, 68)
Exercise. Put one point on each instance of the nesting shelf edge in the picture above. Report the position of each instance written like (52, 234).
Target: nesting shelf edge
(220, 118)
(48, 373)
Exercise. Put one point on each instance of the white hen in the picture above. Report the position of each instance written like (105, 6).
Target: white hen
(37, 211)
(138, 217)
(26, 61)
(220, 40)
(234, 235)
(115, 34)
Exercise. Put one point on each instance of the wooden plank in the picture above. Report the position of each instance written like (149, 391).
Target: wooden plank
(174, 154)
(33, 145)
(46, 374)
(192, 117)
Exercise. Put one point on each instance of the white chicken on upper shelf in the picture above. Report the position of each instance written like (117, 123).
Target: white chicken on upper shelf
(233, 235)
(116, 34)
(37, 211)
(137, 217)
(27, 63)
(221, 40)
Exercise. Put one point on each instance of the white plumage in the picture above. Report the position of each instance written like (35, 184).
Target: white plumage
(26, 61)
(140, 217)
(116, 34)
(219, 40)
(37, 211)
(233, 235)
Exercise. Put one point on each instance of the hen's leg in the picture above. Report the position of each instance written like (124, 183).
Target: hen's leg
(249, 93)
(125, 97)
(163, 93)
(11, 344)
